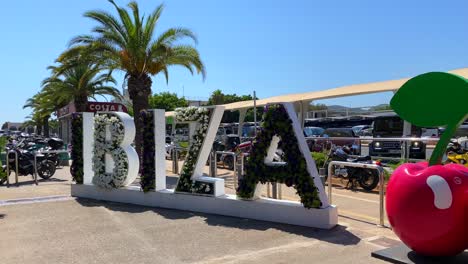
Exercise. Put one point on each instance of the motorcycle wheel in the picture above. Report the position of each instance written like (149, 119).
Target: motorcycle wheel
(229, 162)
(369, 179)
(46, 169)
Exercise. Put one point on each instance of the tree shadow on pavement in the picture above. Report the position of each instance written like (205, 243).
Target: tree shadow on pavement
(338, 235)
(31, 182)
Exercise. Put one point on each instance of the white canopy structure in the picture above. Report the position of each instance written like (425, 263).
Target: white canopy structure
(302, 100)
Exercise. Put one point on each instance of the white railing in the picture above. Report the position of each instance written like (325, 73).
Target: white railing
(365, 166)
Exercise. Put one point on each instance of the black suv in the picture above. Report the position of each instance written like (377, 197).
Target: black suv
(392, 126)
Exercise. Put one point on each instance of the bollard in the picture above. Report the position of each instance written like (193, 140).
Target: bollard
(274, 190)
(212, 159)
(8, 167)
(175, 161)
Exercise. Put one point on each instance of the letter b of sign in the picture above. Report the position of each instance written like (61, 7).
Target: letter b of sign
(115, 162)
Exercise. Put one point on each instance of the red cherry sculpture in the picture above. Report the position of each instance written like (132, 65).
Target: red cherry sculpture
(427, 203)
(428, 207)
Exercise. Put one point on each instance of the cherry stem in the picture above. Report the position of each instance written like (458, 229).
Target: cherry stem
(439, 151)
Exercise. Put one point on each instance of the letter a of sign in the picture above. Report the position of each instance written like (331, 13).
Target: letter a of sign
(280, 128)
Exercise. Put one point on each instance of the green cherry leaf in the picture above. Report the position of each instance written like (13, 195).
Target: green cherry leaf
(433, 99)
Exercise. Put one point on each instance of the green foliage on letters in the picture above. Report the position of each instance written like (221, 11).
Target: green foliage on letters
(148, 166)
(276, 121)
(77, 148)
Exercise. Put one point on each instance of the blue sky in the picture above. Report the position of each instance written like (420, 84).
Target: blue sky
(271, 46)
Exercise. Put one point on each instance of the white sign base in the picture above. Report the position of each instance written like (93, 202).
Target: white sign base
(279, 211)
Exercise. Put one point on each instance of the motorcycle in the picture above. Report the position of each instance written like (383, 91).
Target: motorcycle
(456, 154)
(228, 144)
(53, 144)
(45, 167)
(368, 179)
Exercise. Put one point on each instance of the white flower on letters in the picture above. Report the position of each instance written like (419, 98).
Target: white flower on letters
(117, 178)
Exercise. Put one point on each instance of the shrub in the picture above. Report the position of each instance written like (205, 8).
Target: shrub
(320, 158)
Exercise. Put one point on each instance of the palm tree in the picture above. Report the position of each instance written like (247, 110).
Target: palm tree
(41, 112)
(78, 84)
(126, 42)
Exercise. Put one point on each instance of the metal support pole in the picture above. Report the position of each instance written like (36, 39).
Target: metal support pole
(280, 190)
(330, 183)
(240, 170)
(234, 169)
(407, 151)
(8, 168)
(35, 168)
(381, 197)
(255, 112)
(17, 169)
(243, 163)
(177, 161)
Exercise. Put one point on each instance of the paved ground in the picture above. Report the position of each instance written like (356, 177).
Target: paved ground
(60, 229)
(84, 231)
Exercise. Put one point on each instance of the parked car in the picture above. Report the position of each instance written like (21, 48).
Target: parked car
(462, 130)
(313, 131)
(392, 126)
(360, 130)
(323, 143)
(248, 130)
(224, 130)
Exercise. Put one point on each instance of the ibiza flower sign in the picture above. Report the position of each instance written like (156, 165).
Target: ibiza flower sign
(108, 166)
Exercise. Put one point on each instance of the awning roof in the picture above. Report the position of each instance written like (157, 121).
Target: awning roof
(350, 90)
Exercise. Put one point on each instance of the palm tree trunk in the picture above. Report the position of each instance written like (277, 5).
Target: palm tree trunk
(81, 103)
(139, 89)
(45, 121)
(39, 129)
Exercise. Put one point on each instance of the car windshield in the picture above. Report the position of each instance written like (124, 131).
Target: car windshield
(357, 129)
(392, 126)
(339, 133)
(313, 131)
(248, 131)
